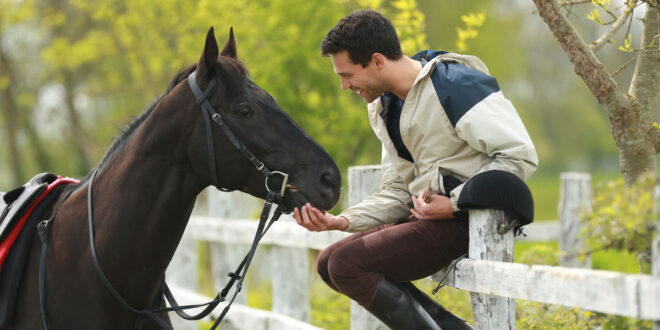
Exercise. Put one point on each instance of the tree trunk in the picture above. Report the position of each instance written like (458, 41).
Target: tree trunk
(632, 128)
(10, 109)
(76, 136)
(644, 88)
(40, 155)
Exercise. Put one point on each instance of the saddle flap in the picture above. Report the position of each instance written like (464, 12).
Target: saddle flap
(12, 195)
(19, 200)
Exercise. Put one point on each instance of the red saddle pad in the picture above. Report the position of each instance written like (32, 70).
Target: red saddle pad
(8, 242)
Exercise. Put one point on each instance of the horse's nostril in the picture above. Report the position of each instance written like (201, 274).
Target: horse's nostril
(328, 178)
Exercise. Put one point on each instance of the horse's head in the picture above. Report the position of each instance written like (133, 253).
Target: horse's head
(264, 128)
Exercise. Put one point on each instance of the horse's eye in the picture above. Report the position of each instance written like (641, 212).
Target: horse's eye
(243, 111)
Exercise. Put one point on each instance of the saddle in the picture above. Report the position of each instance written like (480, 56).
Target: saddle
(18, 200)
(22, 208)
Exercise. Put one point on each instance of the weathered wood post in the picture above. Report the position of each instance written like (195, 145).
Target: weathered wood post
(490, 311)
(574, 199)
(290, 278)
(182, 273)
(362, 182)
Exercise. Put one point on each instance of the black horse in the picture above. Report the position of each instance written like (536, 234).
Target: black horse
(145, 187)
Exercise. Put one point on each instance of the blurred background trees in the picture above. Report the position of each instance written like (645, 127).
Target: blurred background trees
(73, 73)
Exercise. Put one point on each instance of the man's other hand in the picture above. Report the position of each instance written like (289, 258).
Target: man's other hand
(439, 207)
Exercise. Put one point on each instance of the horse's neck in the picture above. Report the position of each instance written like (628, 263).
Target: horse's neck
(142, 200)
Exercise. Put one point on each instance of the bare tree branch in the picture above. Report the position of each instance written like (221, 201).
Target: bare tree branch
(630, 7)
(636, 142)
(570, 3)
(586, 64)
(624, 66)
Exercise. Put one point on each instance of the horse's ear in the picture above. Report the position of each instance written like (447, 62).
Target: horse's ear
(230, 46)
(209, 59)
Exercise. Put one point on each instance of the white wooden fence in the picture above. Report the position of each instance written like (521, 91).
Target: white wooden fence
(489, 274)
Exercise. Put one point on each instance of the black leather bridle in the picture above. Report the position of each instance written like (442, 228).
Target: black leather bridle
(237, 277)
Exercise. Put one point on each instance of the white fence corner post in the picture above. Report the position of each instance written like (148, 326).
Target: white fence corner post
(490, 311)
(574, 199)
(362, 182)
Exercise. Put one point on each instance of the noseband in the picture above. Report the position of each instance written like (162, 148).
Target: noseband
(202, 98)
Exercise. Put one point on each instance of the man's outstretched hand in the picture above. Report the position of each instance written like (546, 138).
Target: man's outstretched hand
(316, 220)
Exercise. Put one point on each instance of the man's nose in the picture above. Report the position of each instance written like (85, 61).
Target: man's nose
(345, 84)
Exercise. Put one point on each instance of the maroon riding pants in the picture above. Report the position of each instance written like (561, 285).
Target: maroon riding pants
(401, 252)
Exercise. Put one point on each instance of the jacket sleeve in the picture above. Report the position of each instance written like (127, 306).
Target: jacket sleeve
(392, 203)
(493, 127)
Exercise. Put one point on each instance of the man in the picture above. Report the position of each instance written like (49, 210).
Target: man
(441, 119)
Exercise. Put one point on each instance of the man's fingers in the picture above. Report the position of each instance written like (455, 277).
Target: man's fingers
(313, 219)
(417, 215)
(307, 222)
(414, 200)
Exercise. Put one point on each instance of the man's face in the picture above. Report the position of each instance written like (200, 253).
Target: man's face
(365, 82)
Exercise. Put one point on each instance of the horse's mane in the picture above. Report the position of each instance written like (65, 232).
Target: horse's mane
(233, 72)
(128, 131)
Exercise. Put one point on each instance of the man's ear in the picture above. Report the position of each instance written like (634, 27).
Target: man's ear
(378, 60)
(209, 60)
(230, 47)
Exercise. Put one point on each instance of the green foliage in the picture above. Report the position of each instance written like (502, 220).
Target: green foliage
(537, 253)
(472, 23)
(622, 217)
(533, 315)
(330, 310)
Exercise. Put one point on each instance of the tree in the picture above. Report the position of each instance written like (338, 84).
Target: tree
(630, 111)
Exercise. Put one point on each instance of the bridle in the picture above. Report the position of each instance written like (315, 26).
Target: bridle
(202, 98)
(237, 277)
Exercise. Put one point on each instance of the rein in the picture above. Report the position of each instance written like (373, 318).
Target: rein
(237, 277)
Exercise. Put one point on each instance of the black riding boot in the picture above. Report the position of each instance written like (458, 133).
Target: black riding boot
(444, 318)
(397, 308)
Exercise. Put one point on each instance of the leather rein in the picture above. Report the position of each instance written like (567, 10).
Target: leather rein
(237, 277)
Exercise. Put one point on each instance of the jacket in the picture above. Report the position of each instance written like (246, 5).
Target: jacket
(455, 122)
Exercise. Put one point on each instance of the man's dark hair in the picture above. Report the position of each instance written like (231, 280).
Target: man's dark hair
(363, 33)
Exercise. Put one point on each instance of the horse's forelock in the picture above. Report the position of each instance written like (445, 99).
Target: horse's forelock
(234, 74)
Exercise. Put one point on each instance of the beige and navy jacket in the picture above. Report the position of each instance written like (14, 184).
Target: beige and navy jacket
(455, 122)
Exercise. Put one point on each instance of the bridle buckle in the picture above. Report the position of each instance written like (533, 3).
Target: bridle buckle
(285, 181)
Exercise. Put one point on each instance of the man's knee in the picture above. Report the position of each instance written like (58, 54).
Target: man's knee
(322, 263)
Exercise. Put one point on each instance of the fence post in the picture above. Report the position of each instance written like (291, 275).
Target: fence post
(362, 182)
(574, 199)
(225, 257)
(290, 278)
(185, 265)
(655, 249)
(490, 311)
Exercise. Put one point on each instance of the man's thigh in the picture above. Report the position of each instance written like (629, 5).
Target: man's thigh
(412, 250)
